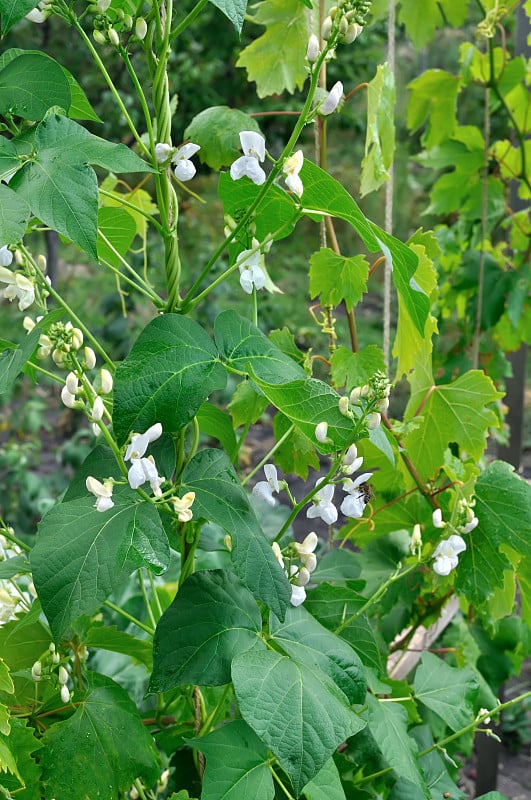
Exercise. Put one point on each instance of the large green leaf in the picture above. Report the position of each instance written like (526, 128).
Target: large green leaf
(433, 102)
(245, 348)
(355, 369)
(335, 278)
(388, 723)
(434, 766)
(455, 412)
(216, 423)
(81, 554)
(448, 691)
(169, 373)
(59, 185)
(326, 785)
(32, 83)
(25, 772)
(299, 713)
(233, 10)
(435, 14)
(216, 130)
(212, 619)
(236, 764)
(13, 10)
(380, 138)
(116, 231)
(106, 729)
(220, 498)
(307, 642)
(274, 60)
(14, 215)
(275, 215)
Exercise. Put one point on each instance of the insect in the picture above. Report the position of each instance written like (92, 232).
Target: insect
(366, 492)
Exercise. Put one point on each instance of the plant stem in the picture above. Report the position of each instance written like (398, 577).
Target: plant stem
(129, 617)
(298, 506)
(281, 784)
(123, 202)
(266, 458)
(379, 593)
(146, 599)
(188, 19)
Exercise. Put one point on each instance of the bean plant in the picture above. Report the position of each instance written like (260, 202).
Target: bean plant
(165, 633)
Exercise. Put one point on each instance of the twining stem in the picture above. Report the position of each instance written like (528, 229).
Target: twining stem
(129, 617)
(212, 718)
(482, 254)
(146, 599)
(140, 287)
(281, 784)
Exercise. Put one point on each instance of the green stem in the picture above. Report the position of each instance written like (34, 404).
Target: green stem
(306, 499)
(267, 457)
(155, 594)
(141, 286)
(120, 199)
(188, 19)
(146, 599)
(129, 617)
(214, 714)
(12, 538)
(281, 784)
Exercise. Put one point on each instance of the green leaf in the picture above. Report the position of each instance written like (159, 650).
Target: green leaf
(433, 101)
(59, 185)
(212, 619)
(234, 10)
(9, 159)
(380, 139)
(220, 498)
(274, 60)
(6, 684)
(297, 452)
(503, 506)
(19, 747)
(32, 83)
(455, 412)
(108, 637)
(216, 130)
(247, 405)
(326, 785)
(309, 643)
(448, 691)
(355, 369)
(245, 348)
(80, 107)
(217, 424)
(236, 764)
(13, 360)
(434, 767)
(275, 215)
(308, 402)
(106, 729)
(299, 714)
(116, 229)
(169, 373)
(388, 723)
(335, 278)
(81, 555)
(435, 14)
(14, 215)
(13, 10)
(481, 568)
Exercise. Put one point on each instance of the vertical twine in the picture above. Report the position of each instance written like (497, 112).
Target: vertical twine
(389, 190)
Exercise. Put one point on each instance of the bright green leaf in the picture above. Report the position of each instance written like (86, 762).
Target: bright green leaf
(335, 278)
(448, 691)
(435, 14)
(108, 637)
(13, 10)
(216, 423)
(216, 130)
(355, 369)
(9, 159)
(274, 60)
(106, 729)
(220, 498)
(169, 373)
(234, 10)
(434, 766)
(212, 619)
(433, 101)
(6, 684)
(236, 764)
(326, 785)
(32, 83)
(81, 554)
(116, 231)
(247, 405)
(23, 770)
(80, 107)
(299, 713)
(380, 139)
(14, 215)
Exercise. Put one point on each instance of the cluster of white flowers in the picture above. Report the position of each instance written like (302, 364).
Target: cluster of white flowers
(143, 469)
(250, 264)
(254, 152)
(183, 167)
(358, 494)
(18, 286)
(45, 668)
(447, 551)
(299, 574)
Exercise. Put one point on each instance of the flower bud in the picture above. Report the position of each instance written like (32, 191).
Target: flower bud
(321, 432)
(333, 11)
(103, 5)
(56, 658)
(113, 37)
(128, 21)
(355, 395)
(416, 538)
(162, 152)
(326, 28)
(63, 676)
(69, 400)
(141, 28)
(373, 420)
(352, 33)
(99, 37)
(58, 357)
(28, 324)
(41, 262)
(344, 406)
(51, 647)
(72, 382)
(98, 409)
(331, 102)
(309, 561)
(95, 429)
(312, 51)
(343, 26)
(227, 541)
(65, 694)
(106, 381)
(303, 577)
(77, 338)
(36, 671)
(90, 358)
(437, 518)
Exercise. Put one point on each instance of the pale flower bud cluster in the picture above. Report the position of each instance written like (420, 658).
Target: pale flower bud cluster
(183, 506)
(345, 20)
(299, 574)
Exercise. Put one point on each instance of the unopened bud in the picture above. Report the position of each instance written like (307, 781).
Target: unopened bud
(355, 395)
(65, 694)
(352, 33)
(331, 102)
(326, 28)
(99, 37)
(56, 658)
(90, 358)
(69, 399)
(343, 26)
(51, 647)
(28, 324)
(437, 519)
(72, 382)
(62, 676)
(321, 432)
(416, 538)
(128, 21)
(303, 577)
(113, 37)
(162, 152)
(98, 409)
(36, 671)
(344, 406)
(373, 420)
(227, 541)
(141, 28)
(312, 51)
(103, 5)
(58, 357)
(333, 11)
(106, 381)
(41, 262)
(77, 338)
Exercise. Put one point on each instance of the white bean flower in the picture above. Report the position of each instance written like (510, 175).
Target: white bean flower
(140, 441)
(184, 169)
(351, 461)
(101, 491)
(446, 554)
(357, 496)
(253, 146)
(251, 272)
(265, 489)
(331, 101)
(143, 470)
(6, 256)
(322, 504)
(183, 506)
(18, 287)
(291, 168)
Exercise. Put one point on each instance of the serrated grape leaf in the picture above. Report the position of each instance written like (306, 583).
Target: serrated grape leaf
(503, 505)
(435, 14)
(247, 404)
(13, 10)
(116, 231)
(354, 369)
(326, 785)
(307, 642)
(211, 620)
(335, 278)
(275, 215)
(32, 83)
(166, 377)
(59, 185)
(234, 10)
(433, 102)
(14, 359)
(276, 60)
(109, 637)
(481, 568)
(448, 691)
(299, 713)
(236, 764)
(388, 723)
(244, 347)
(454, 412)
(106, 730)
(216, 130)
(81, 554)
(380, 138)
(23, 776)
(220, 498)
(14, 215)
